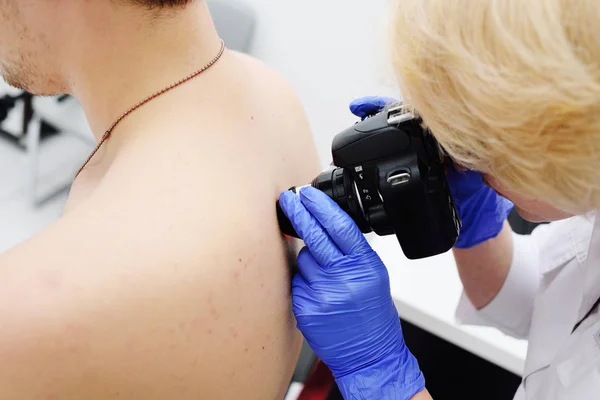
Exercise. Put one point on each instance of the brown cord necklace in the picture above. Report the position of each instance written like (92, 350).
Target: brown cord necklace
(146, 100)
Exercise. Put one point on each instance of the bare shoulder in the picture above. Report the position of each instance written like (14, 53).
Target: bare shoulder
(272, 105)
(276, 83)
(171, 279)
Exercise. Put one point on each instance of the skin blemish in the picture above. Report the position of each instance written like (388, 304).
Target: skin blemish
(177, 377)
(51, 280)
(245, 350)
(252, 117)
(234, 332)
(239, 260)
(236, 274)
(211, 306)
(263, 347)
(210, 331)
(197, 322)
(73, 349)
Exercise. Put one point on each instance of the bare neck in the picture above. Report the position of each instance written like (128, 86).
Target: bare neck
(136, 56)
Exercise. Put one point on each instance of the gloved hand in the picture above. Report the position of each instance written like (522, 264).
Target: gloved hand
(370, 105)
(343, 305)
(482, 211)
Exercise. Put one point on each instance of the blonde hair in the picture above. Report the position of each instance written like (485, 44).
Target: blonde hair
(510, 88)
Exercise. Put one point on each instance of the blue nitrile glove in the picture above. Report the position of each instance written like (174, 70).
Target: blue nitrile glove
(371, 105)
(480, 208)
(343, 306)
(482, 211)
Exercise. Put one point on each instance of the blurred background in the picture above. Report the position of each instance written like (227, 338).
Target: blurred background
(331, 52)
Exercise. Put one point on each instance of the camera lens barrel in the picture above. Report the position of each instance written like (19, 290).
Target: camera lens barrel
(338, 184)
(331, 182)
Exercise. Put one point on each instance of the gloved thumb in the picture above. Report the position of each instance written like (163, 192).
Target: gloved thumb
(371, 105)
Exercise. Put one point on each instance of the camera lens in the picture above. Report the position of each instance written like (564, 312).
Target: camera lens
(337, 183)
(329, 182)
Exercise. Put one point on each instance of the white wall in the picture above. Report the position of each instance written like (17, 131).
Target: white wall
(331, 51)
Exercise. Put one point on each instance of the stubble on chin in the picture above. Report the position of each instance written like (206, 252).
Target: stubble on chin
(26, 78)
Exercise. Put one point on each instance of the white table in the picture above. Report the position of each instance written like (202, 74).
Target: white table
(426, 293)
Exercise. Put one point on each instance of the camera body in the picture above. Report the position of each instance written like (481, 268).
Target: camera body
(388, 175)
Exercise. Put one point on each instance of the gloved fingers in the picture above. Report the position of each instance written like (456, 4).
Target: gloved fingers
(370, 105)
(463, 183)
(341, 228)
(308, 228)
(458, 169)
(305, 301)
(308, 266)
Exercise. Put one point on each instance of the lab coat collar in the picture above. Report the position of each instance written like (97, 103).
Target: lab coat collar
(566, 291)
(591, 283)
(578, 246)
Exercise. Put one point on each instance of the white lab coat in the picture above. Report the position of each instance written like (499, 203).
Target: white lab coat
(552, 284)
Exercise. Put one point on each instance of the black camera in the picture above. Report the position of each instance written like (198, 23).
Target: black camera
(388, 174)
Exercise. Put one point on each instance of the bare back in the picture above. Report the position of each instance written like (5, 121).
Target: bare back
(167, 277)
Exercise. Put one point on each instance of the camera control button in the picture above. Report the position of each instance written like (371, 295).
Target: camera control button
(399, 179)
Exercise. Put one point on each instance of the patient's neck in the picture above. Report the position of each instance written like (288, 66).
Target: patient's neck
(134, 58)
